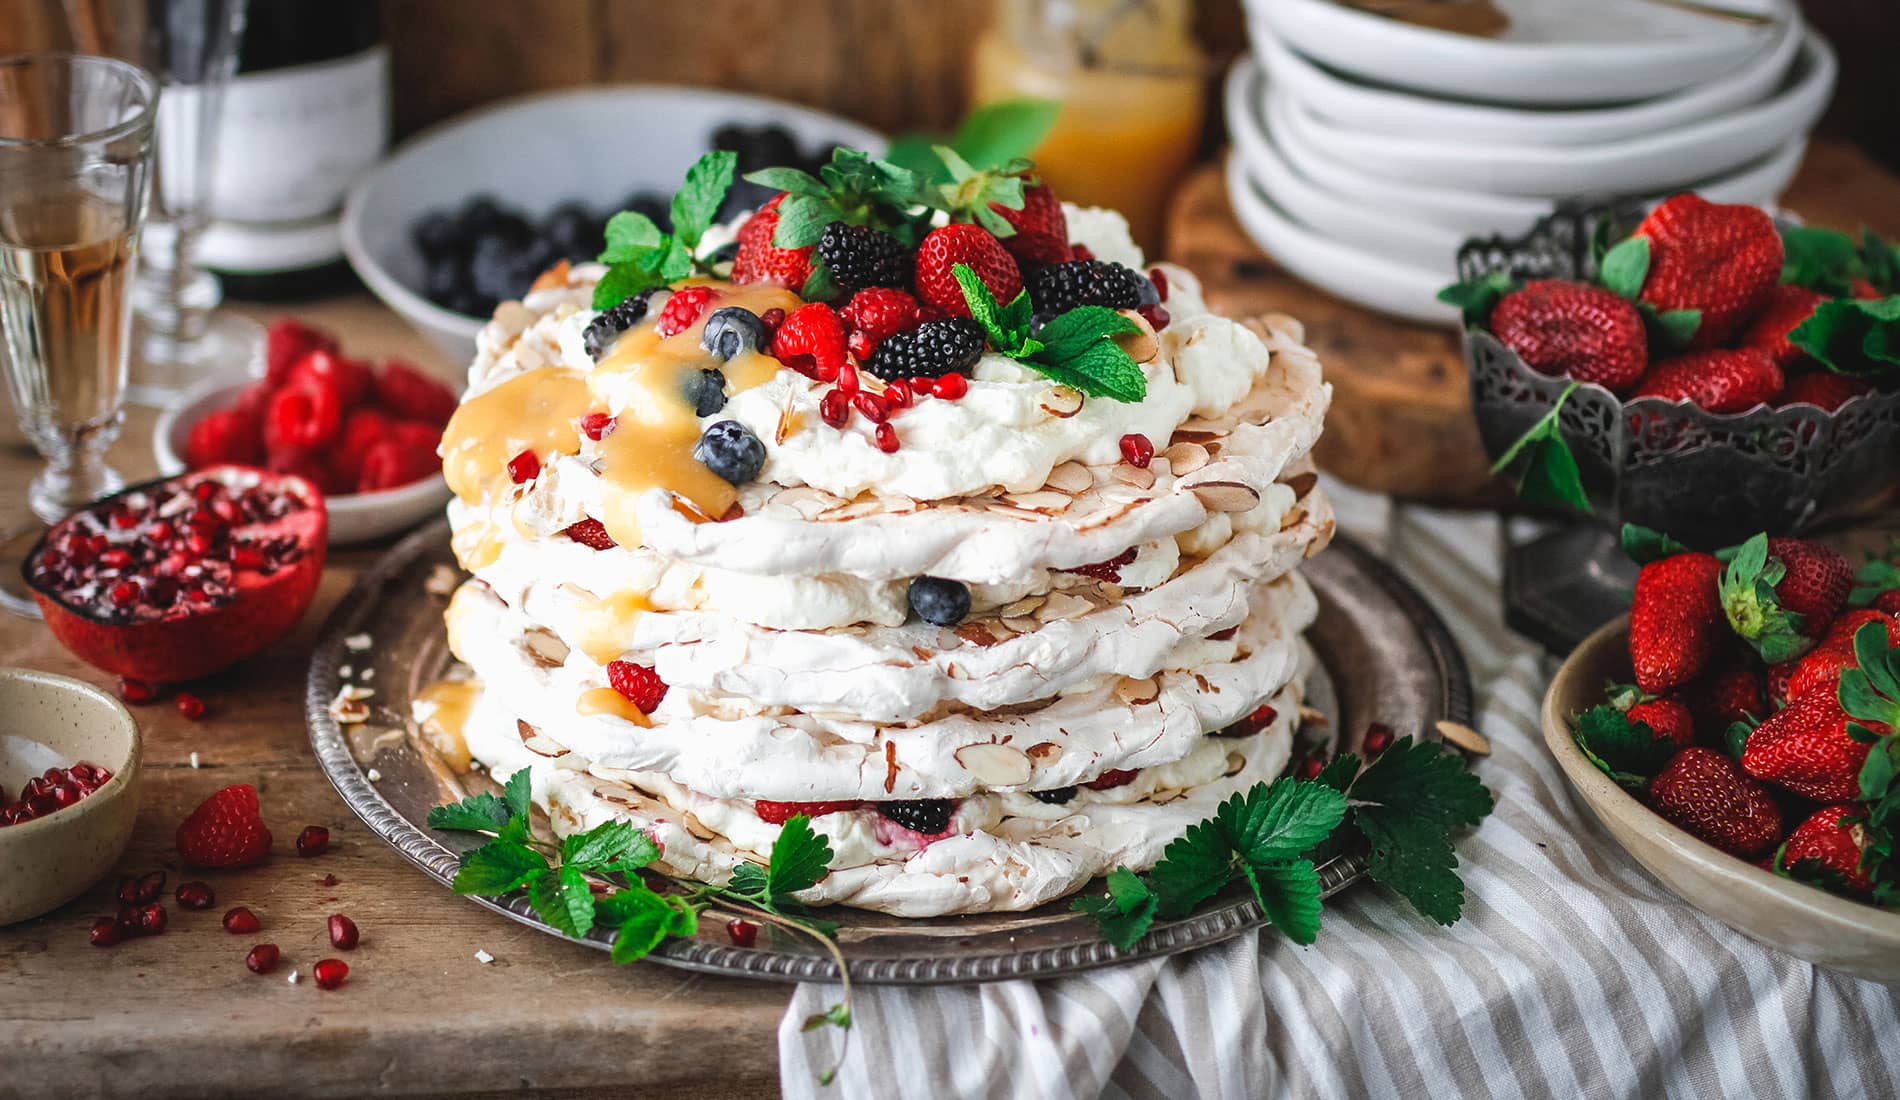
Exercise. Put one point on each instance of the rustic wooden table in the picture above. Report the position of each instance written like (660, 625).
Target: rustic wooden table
(179, 1015)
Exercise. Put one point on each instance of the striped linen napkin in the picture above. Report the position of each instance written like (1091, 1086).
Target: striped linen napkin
(1572, 974)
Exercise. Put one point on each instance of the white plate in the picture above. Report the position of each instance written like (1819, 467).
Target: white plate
(595, 145)
(1632, 166)
(1557, 52)
(1352, 273)
(1464, 214)
(1376, 109)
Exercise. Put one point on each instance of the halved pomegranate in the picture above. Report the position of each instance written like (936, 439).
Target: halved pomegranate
(176, 579)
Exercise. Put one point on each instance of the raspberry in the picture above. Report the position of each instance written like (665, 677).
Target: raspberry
(1061, 287)
(778, 813)
(302, 417)
(877, 314)
(811, 341)
(639, 683)
(352, 378)
(591, 532)
(931, 350)
(392, 462)
(362, 429)
(928, 816)
(226, 830)
(286, 341)
(417, 434)
(1109, 780)
(759, 261)
(412, 395)
(226, 435)
(682, 308)
(862, 256)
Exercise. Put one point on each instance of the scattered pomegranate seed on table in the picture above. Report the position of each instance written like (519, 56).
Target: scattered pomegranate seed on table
(240, 921)
(313, 841)
(136, 691)
(1311, 767)
(330, 973)
(343, 934)
(196, 895)
(106, 932)
(262, 959)
(1378, 738)
(189, 705)
(1137, 450)
(139, 889)
(152, 919)
(744, 933)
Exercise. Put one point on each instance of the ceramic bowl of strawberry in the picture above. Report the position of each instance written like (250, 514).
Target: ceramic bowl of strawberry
(1689, 407)
(365, 434)
(70, 774)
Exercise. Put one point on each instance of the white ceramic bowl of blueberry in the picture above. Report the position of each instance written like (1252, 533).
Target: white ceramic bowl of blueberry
(354, 517)
(506, 191)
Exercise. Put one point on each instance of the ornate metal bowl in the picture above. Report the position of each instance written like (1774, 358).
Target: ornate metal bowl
(1708, 479)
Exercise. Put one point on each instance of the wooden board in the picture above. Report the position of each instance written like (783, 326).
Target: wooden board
(178, 1014)
(1401, 418)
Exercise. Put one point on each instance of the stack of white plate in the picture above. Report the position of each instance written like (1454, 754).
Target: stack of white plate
(1366, 149)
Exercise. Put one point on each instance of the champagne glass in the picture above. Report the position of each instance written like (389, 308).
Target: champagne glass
(180, 338)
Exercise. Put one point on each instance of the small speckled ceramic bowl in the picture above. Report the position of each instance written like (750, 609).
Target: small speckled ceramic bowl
(1805, 921)
(49, 721)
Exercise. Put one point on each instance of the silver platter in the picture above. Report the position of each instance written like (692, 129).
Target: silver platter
(1384, 657)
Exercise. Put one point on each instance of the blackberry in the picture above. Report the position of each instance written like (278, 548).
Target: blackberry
(926, 815)
(938, 601)
(861, 256)
(732, 331)
(730, 450)
(704, 390)
(931, 350)
(1058, 797)
(1061, 287)
(605, 328)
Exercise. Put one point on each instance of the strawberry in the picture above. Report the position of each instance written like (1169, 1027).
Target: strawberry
(1782, 594)
(351, 378)
(964, 243)
(682, 308)
(1724, 380)
(390, 463)
(224, 435)
(639, 683)
(1888, 601)
(1721, 260)
(1822, 388)
(1729, 692)
(285, 342)
(1675, 620)
(778, 813)
(1667, 717)
(1708, 794)
(874, 315)
(1806, 748)
(1821, 667)
(592, 533)
(1574, 329)
(411, 394)
(758, 261)
(1835, 837)
(811, 341)
(1786, 307)
(226, 830)
(1042, 231)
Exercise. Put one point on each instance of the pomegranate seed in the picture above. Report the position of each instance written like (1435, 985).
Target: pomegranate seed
(1156, 316)
(1311, 767)
(872, 406)
(1263, 715)
(128, 889)
(835, 408)
(343, 934)
(65, 795)
(190, 706)
(125, 593)
(116, 558)
(887, 439)
(1378, 738)
(950, 387)
(262, 959)
(524, 467)
(105, 932)
(247, 556)
(772, 319)
(241, 921)
(128, 918)
(859, 345)
(1160, 279)
(1224, 635)
(196, 895)
(205, 490)
(160, 531)
(897, 395)
(313, 841)
(152, 919)
(743, 932)
(1137, 450)
(848, 377)
(330, 973)
(150, 885)
(597, 425)
(124, 518)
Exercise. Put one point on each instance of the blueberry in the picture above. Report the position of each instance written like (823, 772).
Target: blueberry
(1149, 295)
(730, 450)
(436, 233)
(491, 267)
(705, 391)
(444, 278)
(573, 231)
(939, 601)
(478, 213)
(731, 332)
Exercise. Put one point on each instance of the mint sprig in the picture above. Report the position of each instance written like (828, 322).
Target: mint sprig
(1853, 336)
(640, 256)
(989, 138)
(1406, 804)
(1076, 348)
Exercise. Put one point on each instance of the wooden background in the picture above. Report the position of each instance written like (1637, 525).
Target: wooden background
(895, 64)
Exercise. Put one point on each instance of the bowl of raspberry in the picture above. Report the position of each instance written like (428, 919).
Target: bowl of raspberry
(364, 433)
(70, 772)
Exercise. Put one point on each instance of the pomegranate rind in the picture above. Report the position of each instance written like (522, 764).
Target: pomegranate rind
(192, 644)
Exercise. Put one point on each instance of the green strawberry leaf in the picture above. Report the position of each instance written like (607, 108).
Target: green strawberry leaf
(1735, 738)
(1678, 326)
(1820, 259)
(792, 180)
(1876, 576)
(1643, 545)
(802, 220)
(1126, 913)
(1289, 894)
(1628, 752)
(1853, 336)
(1754, 610)
(1878, 772)
(1625, 267)
(1549, 474)
(498, 867)
(819, 286)
(1475, 298)
(1881, 261)
(1005, 130)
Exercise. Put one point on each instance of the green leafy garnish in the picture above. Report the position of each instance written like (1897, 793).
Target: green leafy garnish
(1643, 545)
(1878, 574)
(640, 256)
(1853, 336)
(990, 137)
(1753, 609)
(1623, 269)
(1629, 752)
(972, 194)
(1406, 805)
(1821, 259)
(1870, 694)
(1548, 473)
(1076, 348)
(854, 188)
(1475, 298)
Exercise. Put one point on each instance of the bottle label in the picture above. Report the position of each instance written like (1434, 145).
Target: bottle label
(293, 140)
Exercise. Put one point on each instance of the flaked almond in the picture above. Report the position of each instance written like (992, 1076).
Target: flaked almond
(1045, 501)
(1141, 477)
(348, 708)
(977, 634)
(1137, 693)
(995, 765)
(1185, 458)
(1071, 477)
(787, 420)
(1140, 345)
(1063, 605)
(548, 650)
(1025, 606)
(1045, 752)
(1464, 737)
(696, 827)
(1226, 496)
(1060, 402)
(1022, 624)
(443, 580)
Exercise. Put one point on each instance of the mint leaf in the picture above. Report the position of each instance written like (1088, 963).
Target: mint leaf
(481, 813)
(1271, 824)
(793, 180)
(1625, 267)
(1193, 868)
(631, 237)
(1102, 369)
(623, 281)
(983, 308)
(1643, 545)
(697, 202)
(1005, 130)
(562, 899)
(1853, 336)
(1126, 914)
(1071, 333)
(518, 793)
(1820, 259)
(498, 867)
(1549, 473)
(1289, 894)
(800, 858)
(1475, 298)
